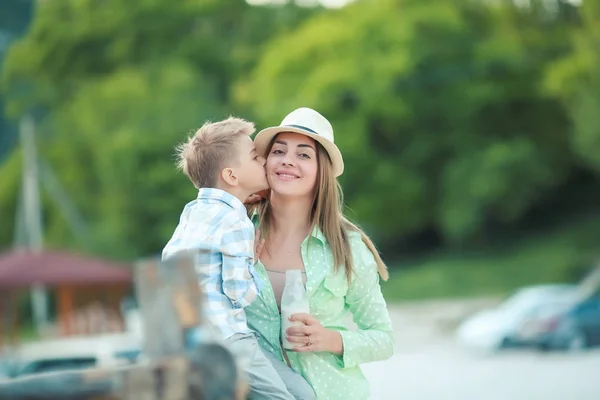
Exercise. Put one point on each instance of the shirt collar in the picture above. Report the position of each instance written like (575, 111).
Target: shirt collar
(317, 234)
(223, 196)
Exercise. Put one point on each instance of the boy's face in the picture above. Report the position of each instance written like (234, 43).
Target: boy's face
(251, 171)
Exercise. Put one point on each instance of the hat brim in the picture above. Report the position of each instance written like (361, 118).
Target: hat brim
(264, 137)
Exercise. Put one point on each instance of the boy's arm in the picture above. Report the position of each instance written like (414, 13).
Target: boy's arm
(240, 282)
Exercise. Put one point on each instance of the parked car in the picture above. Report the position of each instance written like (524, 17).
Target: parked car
(78, 352)
(575, 327)
(501, 326)
(6, 367)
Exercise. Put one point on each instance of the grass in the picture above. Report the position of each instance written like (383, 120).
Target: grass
(562, 254)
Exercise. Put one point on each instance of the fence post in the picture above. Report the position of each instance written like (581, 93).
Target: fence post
(169, 300)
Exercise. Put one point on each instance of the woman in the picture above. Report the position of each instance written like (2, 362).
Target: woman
(304, 228)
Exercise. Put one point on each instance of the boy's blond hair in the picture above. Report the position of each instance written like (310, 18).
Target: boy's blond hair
(204, 155)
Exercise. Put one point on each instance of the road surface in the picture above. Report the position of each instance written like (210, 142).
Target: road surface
(428, 364)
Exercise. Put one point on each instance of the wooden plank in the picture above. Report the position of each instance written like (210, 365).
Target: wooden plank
(209, 371)
(9, 323)
(14, 328)
(186, 295)
(162, 333)
(65, 309)
(138, 384)
(3, 312)
(169, 299)
(55, 385)
(164, 380)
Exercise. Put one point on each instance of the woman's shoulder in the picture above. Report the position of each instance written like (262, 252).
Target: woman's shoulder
(355, 238)
(361, 254)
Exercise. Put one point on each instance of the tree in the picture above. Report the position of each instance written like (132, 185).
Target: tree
(118, 85)
(123, 129)
(14, 19)
(436, 106)
(575, 80)
(71, 41)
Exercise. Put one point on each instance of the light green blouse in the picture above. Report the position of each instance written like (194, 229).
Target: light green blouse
(331, 298)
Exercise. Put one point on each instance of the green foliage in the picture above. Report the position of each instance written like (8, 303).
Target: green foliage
(436, 104)
(563, 254)
(458, 120)
(73, 41)
(120, 84)
(14, 19)
(130, 169)
(575, 79)
(10, 193)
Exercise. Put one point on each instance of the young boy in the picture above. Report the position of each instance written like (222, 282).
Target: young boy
(222, 163)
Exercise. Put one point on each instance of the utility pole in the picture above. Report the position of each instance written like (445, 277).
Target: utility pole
(32, 214)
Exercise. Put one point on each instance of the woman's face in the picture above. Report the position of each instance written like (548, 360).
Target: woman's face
(292, 165)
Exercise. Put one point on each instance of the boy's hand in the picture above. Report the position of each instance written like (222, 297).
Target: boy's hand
(258, 245)
(257, 197)
(253, 198)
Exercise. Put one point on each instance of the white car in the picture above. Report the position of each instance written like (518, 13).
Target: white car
(5, 368)
(497, 328)
(76, 352)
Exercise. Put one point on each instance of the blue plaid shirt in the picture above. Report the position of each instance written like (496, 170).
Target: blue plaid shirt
(216, 226)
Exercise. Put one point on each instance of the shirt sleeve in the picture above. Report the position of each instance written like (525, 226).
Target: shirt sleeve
(374, 339)
(241, 283)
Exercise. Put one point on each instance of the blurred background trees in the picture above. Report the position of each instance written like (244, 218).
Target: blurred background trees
(470, 129)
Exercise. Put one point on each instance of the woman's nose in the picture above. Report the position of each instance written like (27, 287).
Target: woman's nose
(287, 160)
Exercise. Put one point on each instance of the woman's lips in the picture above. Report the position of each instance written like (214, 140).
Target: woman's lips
(286, 176)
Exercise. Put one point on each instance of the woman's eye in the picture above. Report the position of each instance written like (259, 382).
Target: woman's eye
(304, 155)
(276, 152)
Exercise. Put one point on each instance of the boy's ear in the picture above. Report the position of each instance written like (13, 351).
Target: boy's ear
(229, 176)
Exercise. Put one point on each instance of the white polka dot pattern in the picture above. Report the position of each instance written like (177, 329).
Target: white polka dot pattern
(331, 299)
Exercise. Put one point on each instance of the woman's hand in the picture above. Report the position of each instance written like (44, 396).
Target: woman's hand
(312, 336)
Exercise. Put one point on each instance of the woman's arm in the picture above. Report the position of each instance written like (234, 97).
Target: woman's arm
(374, 339)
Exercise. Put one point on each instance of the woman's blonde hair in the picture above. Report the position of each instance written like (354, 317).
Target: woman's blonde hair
(327, 214)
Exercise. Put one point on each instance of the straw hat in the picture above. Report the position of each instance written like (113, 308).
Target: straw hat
(308, 122)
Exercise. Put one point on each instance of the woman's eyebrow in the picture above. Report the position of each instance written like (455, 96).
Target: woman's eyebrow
(279, 141)
(307, 145)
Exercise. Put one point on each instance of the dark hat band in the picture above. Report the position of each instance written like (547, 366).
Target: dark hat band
(302, 127)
